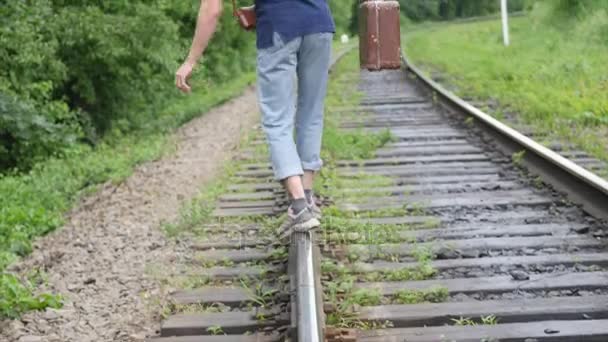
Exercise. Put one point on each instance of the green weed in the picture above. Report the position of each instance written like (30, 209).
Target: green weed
(437, 294)
(463, 322)
(193, 282)
(365, 297)
(197, 213)
(343, 297)
(518, 157)
(421, 272)
(259, 293)
(489, 320)
(215, 330)
(345, 227)
(385, 212)
(16, 297)
(337, 230)
(466, 321)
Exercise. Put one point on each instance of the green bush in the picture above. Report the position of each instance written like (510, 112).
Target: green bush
(26, 136)
(34, 123)
(86, 68)
(117, 64)
(344, 13)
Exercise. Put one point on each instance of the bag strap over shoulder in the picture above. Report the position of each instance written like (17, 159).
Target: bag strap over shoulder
(234, 8)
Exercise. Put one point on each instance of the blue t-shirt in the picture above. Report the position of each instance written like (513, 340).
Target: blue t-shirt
(291, 19)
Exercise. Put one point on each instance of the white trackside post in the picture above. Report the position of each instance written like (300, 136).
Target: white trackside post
(505, 21)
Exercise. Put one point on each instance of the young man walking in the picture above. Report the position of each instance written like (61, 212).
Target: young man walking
(294, 47)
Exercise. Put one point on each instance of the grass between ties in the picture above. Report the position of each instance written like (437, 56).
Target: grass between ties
(341, 227)
(338, 226)
(197, 223)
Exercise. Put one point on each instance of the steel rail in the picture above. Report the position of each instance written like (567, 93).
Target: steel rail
(583, 186)
(308, 304)
(308, 320)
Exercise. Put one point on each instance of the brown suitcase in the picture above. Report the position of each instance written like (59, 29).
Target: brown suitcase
(379, 35)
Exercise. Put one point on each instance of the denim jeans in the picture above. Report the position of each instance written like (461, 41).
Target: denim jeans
(292, 83)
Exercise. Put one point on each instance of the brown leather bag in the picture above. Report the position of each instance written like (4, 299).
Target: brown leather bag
(244, 15)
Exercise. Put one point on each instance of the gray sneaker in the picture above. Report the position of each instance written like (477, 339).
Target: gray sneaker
(314, 209)
(301, 222)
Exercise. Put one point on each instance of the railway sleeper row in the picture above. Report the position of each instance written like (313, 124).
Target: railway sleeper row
(439, 237)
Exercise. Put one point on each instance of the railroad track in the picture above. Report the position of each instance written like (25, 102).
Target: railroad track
(443, 235)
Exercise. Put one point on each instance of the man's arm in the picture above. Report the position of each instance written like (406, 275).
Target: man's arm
(208, 17)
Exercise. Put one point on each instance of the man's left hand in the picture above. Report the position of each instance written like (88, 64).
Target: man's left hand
(182, 75)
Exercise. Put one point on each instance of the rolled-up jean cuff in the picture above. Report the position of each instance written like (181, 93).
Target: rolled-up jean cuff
(288, 172)
(316, 166)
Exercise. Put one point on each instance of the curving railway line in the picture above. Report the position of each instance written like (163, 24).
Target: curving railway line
(458, 229)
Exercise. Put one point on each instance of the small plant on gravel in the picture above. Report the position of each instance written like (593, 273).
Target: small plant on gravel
(373, 325)
(338, 230)
(196, 281)
(437, 294)
(466, 321)
(421, 272)
(16, 297)
(215, 330)
(352, 188)
(385, 212)
(261, 295)
(343, 298)
(226, 262)
(417, 208)
(489, 320)
(365, 297)
(342, 319)
(423, 253)
(332, 267)
(165, 309)
(431, 223)
(279, 254)
(348, 319)
(409, 297)
(463, 321)
(392, 257)
(518, 158)
(261, 317)
(198, 211)
(207, 263)
(538, 182)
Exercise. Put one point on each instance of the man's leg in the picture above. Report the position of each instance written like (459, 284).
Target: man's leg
(276, 92)
(313, 67)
